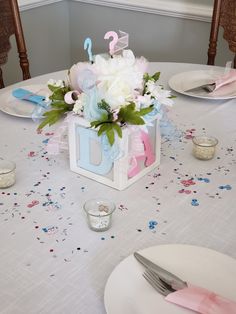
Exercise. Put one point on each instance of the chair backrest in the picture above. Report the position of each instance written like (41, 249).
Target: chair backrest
(10, 23)
(224, 14)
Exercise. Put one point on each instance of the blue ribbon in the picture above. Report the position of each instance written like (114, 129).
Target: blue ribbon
(41, 105)
(87, 83)
(24, 94)
(111, 152)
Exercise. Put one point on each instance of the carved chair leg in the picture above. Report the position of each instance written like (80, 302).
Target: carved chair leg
(214, 32)
(1, 79)
(24, 63)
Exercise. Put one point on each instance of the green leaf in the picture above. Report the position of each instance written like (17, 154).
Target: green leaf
(95, 124)
(104, 105)
(111, 136)
(156, 76)
(118, 129)
(136, 120)
(146, 77)
(59, 105)
(144, 111)
(52, 88)
(51, 117)
(129, 115)
(58, 94)
(131, 106)
(103, 128)
(44, 123)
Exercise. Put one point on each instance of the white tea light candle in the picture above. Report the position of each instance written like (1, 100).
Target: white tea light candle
(7, 173)
(99, 214)
(204, 147)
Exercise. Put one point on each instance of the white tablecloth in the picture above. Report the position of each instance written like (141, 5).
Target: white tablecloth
(66, 271)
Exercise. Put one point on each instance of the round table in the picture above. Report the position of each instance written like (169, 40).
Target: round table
(51, 262)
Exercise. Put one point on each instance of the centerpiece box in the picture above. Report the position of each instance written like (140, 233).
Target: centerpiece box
(88, 157)
(112, 109)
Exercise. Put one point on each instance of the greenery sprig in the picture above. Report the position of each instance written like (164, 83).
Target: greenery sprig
(126, 115)
(146, 77)
(59, 106)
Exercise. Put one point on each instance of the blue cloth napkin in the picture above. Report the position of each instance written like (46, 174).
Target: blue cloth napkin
(24, 94)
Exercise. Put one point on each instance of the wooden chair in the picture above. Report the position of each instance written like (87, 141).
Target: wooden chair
(224, 15)
(10, 23)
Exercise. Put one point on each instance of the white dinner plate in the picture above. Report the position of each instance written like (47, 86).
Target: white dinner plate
(21, 108)
(127, 292)
(188, 80)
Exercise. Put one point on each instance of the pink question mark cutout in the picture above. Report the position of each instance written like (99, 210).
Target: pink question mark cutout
(113, 41)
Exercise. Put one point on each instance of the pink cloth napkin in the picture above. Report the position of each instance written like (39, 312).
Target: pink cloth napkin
(225, 85)
(202, 301)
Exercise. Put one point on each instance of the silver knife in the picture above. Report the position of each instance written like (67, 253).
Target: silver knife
(172, 280)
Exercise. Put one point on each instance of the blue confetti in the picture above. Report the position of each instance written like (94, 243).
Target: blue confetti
(45, 141)
(206, 180)
(50, 229)
(226, 187)
(152, 224)
(194, 202)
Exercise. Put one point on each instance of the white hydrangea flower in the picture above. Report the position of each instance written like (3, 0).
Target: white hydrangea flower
(160, 94)
(79, 104)
(58, 83)
(118, 78)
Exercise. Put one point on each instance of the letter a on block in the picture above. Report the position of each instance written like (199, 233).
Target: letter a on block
(148, 156)
(85, 136)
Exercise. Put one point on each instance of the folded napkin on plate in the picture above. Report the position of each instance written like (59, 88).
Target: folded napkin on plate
(202, 301)
(24, 94)
(225, 85)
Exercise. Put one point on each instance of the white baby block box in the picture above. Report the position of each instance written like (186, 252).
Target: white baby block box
(136, 153)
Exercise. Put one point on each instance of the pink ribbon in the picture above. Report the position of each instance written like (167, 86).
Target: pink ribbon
(57, 141)
(226, 79)
(202, 301)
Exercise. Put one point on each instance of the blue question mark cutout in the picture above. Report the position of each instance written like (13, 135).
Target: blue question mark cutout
(88, 47)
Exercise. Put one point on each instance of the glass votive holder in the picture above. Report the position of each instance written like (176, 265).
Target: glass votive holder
(99, 214)
(7, 173)
(204, 147)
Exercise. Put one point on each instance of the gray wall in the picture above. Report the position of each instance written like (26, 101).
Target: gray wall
(158, 38)
(55, 34)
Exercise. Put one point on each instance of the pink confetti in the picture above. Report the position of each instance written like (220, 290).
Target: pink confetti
(32, 204)
(188, 136)
(185, 191)
(187, 183)
(31, 154)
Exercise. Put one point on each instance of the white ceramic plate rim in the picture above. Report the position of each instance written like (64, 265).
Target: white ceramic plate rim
(186, 80)
(20, 108)
(127, 292)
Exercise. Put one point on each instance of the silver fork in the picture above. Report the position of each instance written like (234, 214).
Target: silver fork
(206, 87)
(157, 283)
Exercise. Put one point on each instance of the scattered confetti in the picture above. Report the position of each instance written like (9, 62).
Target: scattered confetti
(50, 230)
